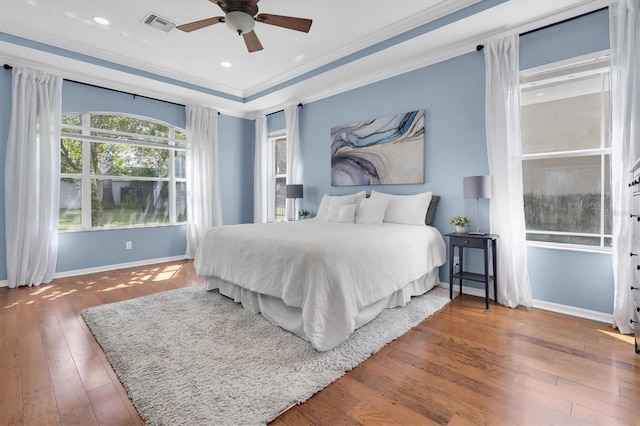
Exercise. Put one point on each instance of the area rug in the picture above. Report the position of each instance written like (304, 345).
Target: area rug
(194, 357)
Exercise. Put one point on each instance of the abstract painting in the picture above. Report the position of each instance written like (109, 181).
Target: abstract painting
(382, 151)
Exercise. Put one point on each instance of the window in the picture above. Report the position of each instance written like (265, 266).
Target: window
(566, 154)
(278, 177)
(119, 170)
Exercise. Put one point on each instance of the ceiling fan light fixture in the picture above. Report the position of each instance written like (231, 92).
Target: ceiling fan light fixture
(240, 22)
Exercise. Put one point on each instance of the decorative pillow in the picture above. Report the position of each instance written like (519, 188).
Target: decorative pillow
(371, 211)
(323, 210)
(347, 213)
(335, 205)
(406, 209)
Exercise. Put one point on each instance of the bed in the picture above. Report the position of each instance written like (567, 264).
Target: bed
(323, 278)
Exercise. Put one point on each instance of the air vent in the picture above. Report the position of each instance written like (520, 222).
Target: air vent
(156, 21)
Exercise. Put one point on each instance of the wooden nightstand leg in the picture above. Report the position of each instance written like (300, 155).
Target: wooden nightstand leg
(494, 253)
(486, 275)
(461, 260)
(451, 257)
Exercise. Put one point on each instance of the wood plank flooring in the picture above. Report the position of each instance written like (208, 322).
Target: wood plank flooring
(464, 365)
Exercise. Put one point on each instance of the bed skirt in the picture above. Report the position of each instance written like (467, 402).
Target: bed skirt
(290, 317)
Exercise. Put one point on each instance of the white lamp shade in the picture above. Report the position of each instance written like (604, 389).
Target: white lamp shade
(476, 186)
(239, 22)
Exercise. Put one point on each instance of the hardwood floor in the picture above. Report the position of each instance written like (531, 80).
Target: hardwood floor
(463, 365)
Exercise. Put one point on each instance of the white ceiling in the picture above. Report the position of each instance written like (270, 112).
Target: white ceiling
(347, 46)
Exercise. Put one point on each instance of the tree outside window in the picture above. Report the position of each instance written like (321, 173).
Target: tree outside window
(120, 170)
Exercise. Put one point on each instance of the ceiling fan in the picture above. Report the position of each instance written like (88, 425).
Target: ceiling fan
(241, 16)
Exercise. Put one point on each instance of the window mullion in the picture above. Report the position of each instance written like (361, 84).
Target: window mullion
(602, 157)
(172, 179)
(86, 173)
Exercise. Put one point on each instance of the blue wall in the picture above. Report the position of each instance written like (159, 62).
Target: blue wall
(236, 142)
(452, 95)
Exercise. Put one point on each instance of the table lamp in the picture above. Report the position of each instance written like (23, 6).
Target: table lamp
(295, 192)
(477, 187)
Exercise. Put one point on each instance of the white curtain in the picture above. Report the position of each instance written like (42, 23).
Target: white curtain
(624, 35)
(504, 149)
(294, 165)
(260, 171)
(32, 177)
(204, 209)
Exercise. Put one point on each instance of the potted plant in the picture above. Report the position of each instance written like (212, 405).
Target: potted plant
(460, 222)
(303, 214)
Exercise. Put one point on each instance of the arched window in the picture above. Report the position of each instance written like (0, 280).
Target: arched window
(119, 170)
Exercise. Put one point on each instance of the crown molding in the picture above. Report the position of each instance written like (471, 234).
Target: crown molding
(442, 54)
(78, 48)
(426, 16)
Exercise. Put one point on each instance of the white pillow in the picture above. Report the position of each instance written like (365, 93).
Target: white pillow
(347, 213)
(323, 210)
(335, 205)
(406, 209)
(371, 211)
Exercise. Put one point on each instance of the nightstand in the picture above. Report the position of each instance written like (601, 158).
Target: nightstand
(487, 243)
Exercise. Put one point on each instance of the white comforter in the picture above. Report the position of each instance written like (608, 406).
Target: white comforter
(329, 270)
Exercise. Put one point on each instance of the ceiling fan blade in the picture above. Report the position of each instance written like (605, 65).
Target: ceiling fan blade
(290, 22)
(192, 26)
(252, 42)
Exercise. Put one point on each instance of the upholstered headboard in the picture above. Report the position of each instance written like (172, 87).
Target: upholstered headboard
(431, 211)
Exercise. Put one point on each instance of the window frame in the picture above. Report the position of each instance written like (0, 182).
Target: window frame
(169, 143)
(596, 63)
(271, 187)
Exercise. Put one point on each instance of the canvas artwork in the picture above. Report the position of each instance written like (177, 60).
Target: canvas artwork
(382, 151)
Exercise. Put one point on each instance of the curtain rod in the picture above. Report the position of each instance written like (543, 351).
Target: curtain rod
(280, 110)
(8, 67)
(481, 46)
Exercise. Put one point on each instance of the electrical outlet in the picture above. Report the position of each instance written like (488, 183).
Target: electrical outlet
(128, 245)
(456, 263)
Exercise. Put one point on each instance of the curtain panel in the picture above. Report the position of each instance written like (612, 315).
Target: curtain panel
(32, 177)
(504, 149)
(260, 171)
(294, 165)
(204, 209)
(624, 35)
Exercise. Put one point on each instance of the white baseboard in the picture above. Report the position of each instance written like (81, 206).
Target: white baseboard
(549, 306)
(573, 311)
(107, 268)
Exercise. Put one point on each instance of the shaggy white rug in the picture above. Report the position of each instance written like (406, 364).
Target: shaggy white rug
(194, 357)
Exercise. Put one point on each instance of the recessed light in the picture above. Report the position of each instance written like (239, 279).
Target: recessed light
(225, 64)
(100, 20)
